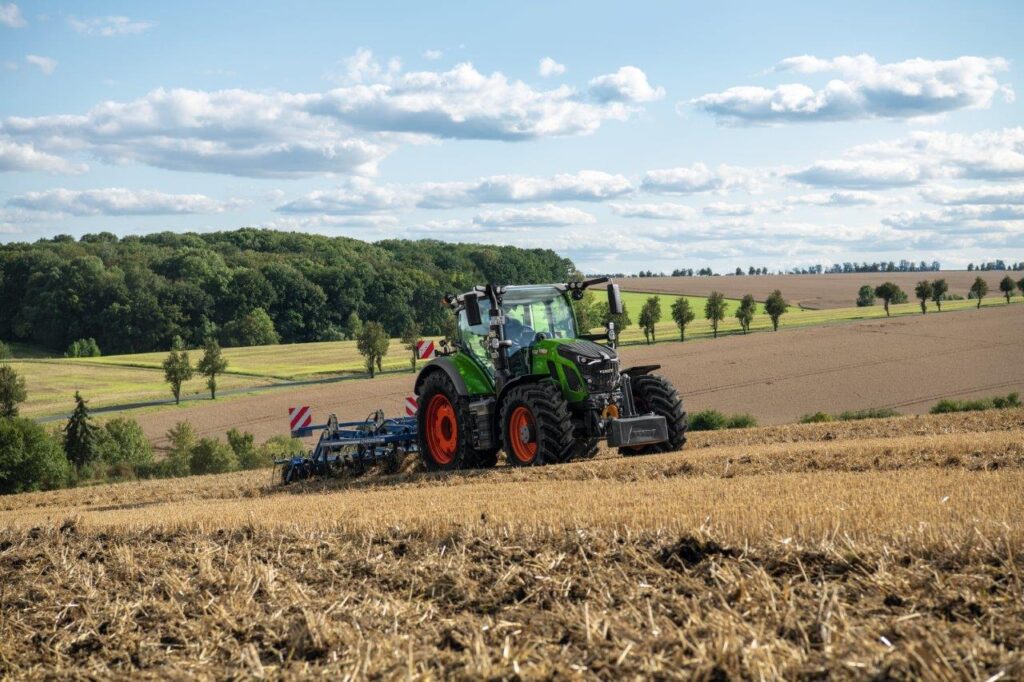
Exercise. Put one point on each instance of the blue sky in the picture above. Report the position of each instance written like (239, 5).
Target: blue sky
(631, 136)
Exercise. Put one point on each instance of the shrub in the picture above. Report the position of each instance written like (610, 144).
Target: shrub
(125, 443)
(816, 418)
(30, 458)
(5, 351)
(83, 348)
(12, 391)
(869, 413)
(995, 403)
(281, 447)
(741, 421)
(246, 452)
(182, 439)
(211, 456)
(713, 420)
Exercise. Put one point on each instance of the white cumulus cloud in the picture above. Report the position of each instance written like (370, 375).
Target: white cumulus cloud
(549, 67)
(356, 196)
(662, 211)
(858, 174)
(15, 156)
(628, 84)
(838, 198)
(587, 185)
(534, 216)
(989, 194)
(10, 15)
(863, 89)
(108, 27)
(116, 201)
(699, 178)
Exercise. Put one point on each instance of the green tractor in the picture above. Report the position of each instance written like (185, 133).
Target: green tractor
(525, 379)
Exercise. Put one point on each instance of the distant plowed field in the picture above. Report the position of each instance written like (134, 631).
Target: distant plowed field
(876, 549)
(811, 291)
(907, 363)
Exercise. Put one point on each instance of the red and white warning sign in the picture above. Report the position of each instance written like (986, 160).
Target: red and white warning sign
(425, 349)
(300, 417)
(411, 406)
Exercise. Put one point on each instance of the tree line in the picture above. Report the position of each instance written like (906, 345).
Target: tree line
(242, 287)
(935, 291)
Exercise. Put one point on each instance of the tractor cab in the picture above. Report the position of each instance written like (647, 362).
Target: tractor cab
(530, 314)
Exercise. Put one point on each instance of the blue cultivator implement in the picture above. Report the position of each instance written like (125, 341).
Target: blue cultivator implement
(351, 447)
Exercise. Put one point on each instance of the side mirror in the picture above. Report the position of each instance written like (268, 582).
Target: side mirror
(472, 304)
(614, 299)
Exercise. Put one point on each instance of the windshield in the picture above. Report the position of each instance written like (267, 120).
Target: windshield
(529, 311)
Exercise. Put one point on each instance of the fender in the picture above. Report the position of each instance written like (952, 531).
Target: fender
(445, 365)
(640, 370)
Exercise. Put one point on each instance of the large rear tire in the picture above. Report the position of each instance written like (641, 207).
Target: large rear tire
(443, 422)
(653, 393)
(536, 427)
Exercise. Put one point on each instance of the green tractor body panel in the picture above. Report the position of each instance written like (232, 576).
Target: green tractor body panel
(548, 360)
(478, 380)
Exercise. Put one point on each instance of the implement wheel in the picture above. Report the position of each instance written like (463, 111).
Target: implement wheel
(653, 393)
(443, 423)
(535, 425)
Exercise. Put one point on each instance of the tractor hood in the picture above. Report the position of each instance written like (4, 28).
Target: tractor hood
(583, 352)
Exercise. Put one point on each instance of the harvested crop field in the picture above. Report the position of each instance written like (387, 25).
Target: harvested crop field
(872, 549)
(810, 291)
(906, 363)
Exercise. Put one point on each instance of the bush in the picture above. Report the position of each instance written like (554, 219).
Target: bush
(5, 351)
(869, 413)
(281, 447)
(211, 456)
(182, 439)
(83, 348)
(816, 418)
(713, 420)
(741, 421)
(30, 458)
(248, 456)
(995, 403)
(125, 443)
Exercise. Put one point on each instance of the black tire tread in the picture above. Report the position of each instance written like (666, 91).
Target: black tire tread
(654, 393)
(554, 423)
(465, 456)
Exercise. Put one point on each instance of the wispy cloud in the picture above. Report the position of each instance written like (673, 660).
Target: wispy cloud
(10, 16)
(114, 201)
(108, 27)
(44, 64)
(548, 216)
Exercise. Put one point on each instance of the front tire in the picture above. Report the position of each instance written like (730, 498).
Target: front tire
(653, 393)
(443, 423)
(536, 427)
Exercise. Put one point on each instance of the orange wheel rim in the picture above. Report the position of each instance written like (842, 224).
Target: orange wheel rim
(523, 434)
(442, 429)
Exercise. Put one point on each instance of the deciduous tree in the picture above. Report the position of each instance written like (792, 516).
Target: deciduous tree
(650, 315)
(1007, 285)
(410, 337)
(373, 345)
(887, 291)
(177, 368)
(745, 313)
(865, 296)
(923, 291)
(979, 289)
(776, 307)
(12, 391)
(714, 310)
(939, 289)
(211, 364)
(683, 315)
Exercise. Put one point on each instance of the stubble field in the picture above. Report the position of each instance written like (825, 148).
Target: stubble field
(853, 550)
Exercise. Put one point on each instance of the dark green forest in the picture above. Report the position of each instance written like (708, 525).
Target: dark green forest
(136, 293)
